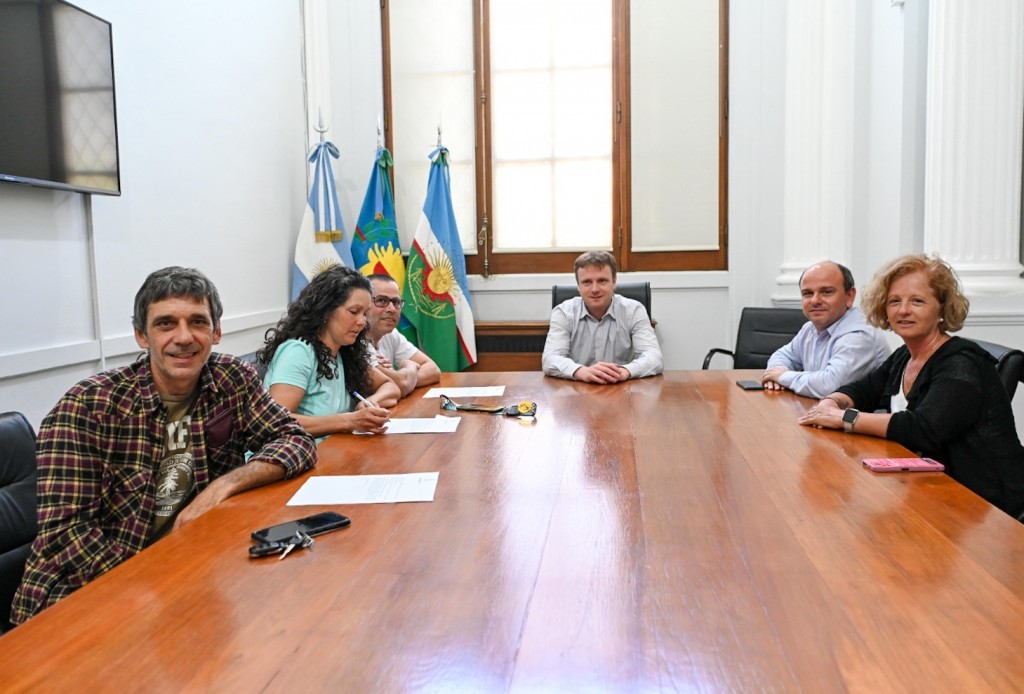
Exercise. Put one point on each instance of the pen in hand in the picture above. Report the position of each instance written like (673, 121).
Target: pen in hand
(363, 400)
(378, 428)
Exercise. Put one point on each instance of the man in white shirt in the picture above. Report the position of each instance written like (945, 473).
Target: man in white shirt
(397, 358)
(599, 336)
(835, 347)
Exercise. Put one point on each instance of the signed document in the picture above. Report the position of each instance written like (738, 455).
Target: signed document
(365, 489)
(438, 424)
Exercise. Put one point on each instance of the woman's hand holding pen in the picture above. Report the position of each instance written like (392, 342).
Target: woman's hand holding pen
(368, 416)
(370, 419)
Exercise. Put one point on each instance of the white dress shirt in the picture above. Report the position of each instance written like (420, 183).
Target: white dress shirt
(623, 336)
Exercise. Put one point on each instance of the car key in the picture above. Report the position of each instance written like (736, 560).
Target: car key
(265, 549)
(294, 542)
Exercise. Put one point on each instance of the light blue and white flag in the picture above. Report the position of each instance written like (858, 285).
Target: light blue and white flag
(437, 303)
(321, 242)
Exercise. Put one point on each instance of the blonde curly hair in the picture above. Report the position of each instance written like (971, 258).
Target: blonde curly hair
(941, 278)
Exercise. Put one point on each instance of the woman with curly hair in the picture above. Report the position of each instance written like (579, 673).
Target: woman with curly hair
(317, 357)
(938, 395)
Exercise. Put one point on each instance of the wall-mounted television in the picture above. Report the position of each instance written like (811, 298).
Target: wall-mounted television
(58, 125)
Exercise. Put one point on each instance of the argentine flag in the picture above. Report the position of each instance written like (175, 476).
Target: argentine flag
(436, 289)
(321, 242)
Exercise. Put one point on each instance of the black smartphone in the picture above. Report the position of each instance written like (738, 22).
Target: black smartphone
(750, 385)
(311, 525)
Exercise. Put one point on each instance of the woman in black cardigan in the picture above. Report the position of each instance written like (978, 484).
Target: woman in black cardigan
(937, 395)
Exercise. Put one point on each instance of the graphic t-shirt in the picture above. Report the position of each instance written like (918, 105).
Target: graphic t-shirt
(176, 477)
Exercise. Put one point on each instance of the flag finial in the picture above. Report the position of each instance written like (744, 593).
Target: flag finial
(319, 127)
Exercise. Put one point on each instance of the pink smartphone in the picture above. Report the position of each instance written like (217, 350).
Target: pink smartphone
(904, 465)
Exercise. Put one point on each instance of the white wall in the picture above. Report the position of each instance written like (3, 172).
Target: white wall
(357, 96)
(212, 137)
(757, 54)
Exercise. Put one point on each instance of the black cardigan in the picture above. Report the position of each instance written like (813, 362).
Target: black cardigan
(958, 413)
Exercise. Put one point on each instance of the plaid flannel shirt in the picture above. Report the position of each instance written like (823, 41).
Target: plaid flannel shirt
(98, 452)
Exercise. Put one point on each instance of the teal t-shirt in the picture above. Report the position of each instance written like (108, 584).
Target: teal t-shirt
(294, 364)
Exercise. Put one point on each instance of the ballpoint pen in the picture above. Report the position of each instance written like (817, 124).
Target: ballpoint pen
(363, 400)
(366, 402)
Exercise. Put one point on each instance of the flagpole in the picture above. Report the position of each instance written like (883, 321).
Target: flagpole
(319, 127)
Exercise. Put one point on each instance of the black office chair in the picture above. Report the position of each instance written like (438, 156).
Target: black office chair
(1009, 364)
(17, 505)
(250, 358)
(761, 332)
(639, 291)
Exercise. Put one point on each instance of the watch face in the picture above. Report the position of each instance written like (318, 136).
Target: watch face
(850, 416)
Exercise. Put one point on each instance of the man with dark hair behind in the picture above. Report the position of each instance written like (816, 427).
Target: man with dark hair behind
(397, 358)
(130, 454)
(835, 346)
(599, 336)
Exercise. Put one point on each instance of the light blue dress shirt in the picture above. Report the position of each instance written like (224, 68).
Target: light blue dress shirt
(844, 352)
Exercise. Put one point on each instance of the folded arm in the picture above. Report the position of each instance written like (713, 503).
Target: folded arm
(418, 370)
(281, 449)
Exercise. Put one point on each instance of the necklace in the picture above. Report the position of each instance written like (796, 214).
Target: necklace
(914, 366)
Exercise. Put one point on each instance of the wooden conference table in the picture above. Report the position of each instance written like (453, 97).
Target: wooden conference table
(670, 533)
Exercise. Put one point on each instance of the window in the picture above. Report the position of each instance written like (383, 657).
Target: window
(573, 125)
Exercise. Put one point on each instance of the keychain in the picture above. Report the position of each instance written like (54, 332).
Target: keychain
(523, 409)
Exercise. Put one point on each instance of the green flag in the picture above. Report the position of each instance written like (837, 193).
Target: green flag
(436, 289)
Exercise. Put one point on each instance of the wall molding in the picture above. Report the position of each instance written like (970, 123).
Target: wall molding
(660, 281)
(996, 318)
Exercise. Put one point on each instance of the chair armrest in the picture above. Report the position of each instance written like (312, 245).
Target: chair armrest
(712, 352)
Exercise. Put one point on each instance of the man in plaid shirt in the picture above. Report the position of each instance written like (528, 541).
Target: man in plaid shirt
(128, 455)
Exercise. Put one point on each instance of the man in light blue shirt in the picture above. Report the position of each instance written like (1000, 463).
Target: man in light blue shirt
(835, 347)
(599, 336)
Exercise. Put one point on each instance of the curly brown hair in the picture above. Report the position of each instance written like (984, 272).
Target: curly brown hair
(306, 317)
(941, 278)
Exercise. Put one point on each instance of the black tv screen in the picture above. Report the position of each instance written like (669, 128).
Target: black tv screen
(58, 126)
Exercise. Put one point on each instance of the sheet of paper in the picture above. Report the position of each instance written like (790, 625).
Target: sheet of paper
(467, 392)
(365, 489)
(438, 424)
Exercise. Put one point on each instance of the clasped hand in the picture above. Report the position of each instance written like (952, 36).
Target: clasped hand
(602, 372)
(770, 379)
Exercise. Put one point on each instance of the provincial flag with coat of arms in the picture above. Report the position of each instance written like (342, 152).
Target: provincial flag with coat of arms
(376, 248)
(436, 289)
(321, 242)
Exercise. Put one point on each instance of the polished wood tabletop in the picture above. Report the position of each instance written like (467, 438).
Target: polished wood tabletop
(672, 533)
